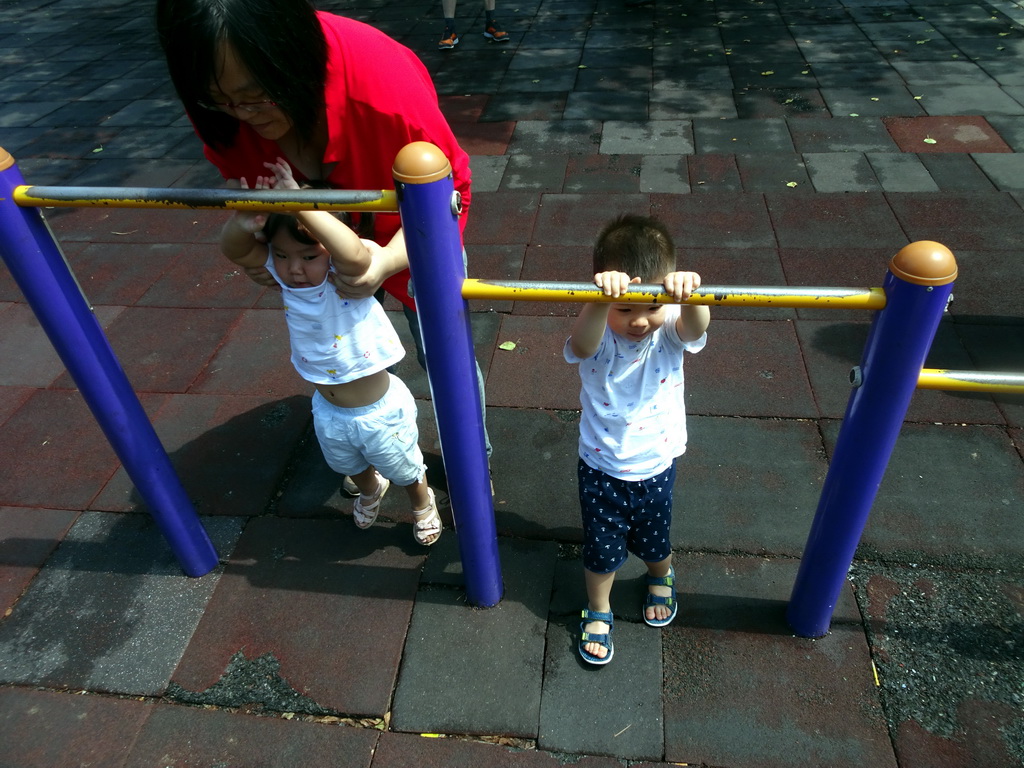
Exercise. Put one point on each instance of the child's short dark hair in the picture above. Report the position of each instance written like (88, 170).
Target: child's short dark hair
(278, 221)
(640, 246)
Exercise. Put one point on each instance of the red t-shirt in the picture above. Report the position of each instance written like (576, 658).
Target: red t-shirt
(379, 97)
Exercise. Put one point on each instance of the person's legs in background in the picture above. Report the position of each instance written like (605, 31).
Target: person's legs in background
(450, 38)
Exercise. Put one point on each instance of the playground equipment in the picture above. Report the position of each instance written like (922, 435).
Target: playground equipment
(908, 309)
(429, 206)
(910, 305)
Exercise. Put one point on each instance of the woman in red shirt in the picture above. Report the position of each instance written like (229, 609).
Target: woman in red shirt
(337, 98)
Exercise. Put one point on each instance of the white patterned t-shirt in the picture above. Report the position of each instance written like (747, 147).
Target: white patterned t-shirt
(633, 423)
(336, 340)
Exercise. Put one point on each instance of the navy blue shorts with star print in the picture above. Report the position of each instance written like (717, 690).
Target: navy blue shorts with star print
(622, 516)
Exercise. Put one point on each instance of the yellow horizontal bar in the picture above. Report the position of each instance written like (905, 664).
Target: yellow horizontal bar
(283, 200)
(713, 295)
(971, 381)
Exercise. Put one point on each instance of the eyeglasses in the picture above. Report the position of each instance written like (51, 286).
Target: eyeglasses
(242, 106)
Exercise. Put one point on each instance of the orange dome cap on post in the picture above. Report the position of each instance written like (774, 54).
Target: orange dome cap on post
(420, 163)
(924, 263)
(6, 161)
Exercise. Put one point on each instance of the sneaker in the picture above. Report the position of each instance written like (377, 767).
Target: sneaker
(349, 487)
(496, 35)
(447, 43)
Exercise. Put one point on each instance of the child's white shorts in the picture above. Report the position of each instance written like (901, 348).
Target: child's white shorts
(383, 434)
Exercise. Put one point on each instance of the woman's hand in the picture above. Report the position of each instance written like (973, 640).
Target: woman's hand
(282, 174)
(262, 276)
(366, 285)
(254, 221)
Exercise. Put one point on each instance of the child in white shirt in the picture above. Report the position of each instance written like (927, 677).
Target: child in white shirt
(633, 423)
(364, 417)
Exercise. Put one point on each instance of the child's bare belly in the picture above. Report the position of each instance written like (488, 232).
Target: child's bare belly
(355, 394)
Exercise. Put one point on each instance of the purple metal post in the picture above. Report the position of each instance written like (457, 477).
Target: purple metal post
(917, 288)
(38, 267)
(428, 205)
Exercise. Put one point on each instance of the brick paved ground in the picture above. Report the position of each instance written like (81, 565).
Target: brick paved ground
(798, 142)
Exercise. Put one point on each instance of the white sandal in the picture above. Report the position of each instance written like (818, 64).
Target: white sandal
(429, 526)
(365, 513)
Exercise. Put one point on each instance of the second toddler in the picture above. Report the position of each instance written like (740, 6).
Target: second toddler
(364, 417)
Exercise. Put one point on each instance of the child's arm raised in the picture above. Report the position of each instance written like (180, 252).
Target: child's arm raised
(693, 319)
(593, 318)
(238, 239)
(349, 254)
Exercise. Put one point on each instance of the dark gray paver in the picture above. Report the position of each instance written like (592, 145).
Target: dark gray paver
(832, 172)
(773, 172)
(665, 173)
(971, 100)
(650, 137)
(548, 509)
(901, 173)
(203, 435)
(741, 690)
(488, 171)
(944, 73)
(567, 137)
(841, 134)
(343, 656)
(176, 736)
(977, 466)
(748, 485)
(603, 173)
(1005, 171)
(540, 173)
(570, 592)
(780, 102)
(956, 173)
(996, 347)
(479, 671)
(764, 365)
(621, 712)
(870, 100)
(733, 136)
(714, 173)
(685, 104)
(110, 611)
(1011, 128)
(947, 644)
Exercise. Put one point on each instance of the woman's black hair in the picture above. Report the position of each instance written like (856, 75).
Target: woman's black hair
(640, 246)
(281, 43)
